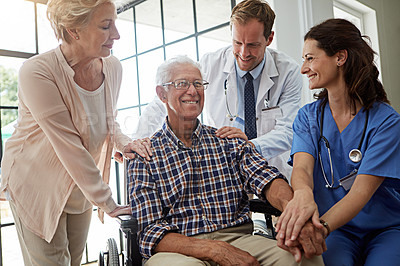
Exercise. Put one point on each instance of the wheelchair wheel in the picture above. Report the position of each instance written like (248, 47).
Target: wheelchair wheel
(260, 228)
(112, 258)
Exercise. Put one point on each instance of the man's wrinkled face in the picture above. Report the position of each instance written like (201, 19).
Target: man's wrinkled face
(187, 104)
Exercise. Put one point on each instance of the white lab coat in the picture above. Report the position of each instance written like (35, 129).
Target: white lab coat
(281, 75)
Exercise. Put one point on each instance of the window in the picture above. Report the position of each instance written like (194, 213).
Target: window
(342, 11)
(364, 18)
(12, 14)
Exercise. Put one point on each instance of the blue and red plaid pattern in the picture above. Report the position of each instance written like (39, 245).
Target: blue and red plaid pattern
(194, 190)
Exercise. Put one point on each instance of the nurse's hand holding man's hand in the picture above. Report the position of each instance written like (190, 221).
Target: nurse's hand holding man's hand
(297, 212)
(299, 229)
(310, 242)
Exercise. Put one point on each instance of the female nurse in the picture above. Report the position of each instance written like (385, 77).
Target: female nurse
(345, 153)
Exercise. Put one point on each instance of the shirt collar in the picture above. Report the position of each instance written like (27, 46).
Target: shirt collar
(254, 72)
(196, 136)
(63, 62)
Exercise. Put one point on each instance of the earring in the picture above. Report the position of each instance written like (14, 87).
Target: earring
(76, 37)
(338, 64)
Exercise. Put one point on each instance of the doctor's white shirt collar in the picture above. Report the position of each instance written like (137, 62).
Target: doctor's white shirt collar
(254, 72)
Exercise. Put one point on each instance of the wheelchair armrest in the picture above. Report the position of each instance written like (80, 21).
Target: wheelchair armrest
(128, 223)
(257, 205)
(129, 226)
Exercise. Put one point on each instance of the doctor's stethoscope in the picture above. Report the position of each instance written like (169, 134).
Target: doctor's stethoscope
(355, 155)
(230, 115)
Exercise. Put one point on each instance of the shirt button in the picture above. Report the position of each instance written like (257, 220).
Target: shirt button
(256, 118)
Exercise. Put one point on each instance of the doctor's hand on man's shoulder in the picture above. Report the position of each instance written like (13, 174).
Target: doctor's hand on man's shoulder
(230, 132)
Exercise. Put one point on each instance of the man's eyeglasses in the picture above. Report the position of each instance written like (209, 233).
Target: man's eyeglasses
(183, 84)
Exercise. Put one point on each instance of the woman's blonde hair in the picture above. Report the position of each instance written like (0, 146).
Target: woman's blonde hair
(71, 14)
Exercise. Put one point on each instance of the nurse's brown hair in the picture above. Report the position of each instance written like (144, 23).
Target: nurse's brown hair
(360, 71)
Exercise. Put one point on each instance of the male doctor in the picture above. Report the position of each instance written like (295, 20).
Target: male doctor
(261, 107)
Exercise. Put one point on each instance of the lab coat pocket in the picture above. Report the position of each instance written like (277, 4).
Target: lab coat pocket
(268, 119)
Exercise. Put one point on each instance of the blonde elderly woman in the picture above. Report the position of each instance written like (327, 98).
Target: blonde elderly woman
(57, 163)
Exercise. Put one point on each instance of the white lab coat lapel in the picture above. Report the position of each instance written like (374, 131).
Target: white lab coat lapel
(266, 82)
(232, 96)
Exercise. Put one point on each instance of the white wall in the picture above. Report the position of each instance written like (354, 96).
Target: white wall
(295, 17)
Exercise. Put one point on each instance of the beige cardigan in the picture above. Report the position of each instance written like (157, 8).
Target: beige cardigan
(48, 152)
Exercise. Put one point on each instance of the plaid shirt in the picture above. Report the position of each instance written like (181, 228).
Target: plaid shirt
(194, 190)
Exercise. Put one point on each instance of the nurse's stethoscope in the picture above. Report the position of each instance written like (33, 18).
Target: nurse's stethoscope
(355, 155)
(230, 115)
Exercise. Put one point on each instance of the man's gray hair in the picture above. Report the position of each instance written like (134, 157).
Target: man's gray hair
(164, 71)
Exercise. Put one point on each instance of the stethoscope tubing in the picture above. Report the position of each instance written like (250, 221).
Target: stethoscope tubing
(226, 100)
(230, 115)
(322, 125)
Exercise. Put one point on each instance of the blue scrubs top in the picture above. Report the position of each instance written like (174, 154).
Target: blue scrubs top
(381, 157)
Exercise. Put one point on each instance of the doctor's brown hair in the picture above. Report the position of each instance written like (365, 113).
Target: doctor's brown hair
(258, 9)
(360, 71)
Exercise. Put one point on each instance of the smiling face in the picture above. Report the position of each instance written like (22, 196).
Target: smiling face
(182, 105)
(249, 43)
(322, 70)
(98, 37)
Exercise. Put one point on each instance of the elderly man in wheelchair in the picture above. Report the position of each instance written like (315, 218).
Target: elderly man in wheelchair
(191, 198)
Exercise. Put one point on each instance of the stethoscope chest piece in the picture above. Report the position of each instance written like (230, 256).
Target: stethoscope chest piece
(355, 155)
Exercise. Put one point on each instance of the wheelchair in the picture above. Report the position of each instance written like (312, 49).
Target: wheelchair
(129, 228)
